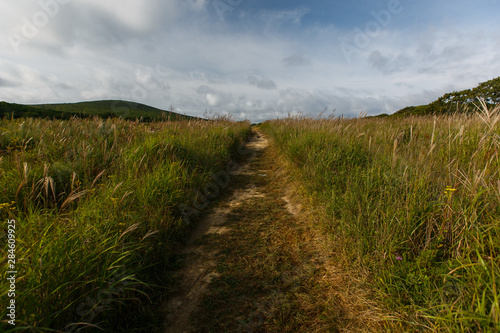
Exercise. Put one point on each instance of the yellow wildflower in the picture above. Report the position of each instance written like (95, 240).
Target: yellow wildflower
(449, 192)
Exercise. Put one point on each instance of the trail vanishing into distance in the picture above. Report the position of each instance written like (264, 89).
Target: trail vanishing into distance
(373, 224)
(256, 263)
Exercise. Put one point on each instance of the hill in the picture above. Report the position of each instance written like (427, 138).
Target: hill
(458, 101)
(103, 109)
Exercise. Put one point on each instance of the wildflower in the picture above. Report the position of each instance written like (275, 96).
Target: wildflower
(399, 258)
(8, 205)
(449, 192)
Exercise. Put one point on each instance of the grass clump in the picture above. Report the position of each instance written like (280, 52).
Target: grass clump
(415, 202)
(96, 209)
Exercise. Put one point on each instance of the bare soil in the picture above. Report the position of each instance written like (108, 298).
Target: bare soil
(257, 263)
(198, 269)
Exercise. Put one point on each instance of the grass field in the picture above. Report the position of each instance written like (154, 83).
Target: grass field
(411, 205)
(415, 203)
(103, 109)
(96, 209)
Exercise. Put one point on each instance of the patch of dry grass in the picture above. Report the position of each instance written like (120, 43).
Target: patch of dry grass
(275, 273)
(414, 203)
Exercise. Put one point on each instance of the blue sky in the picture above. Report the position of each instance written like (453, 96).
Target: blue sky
(254, 59)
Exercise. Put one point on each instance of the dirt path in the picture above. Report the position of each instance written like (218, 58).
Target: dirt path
(255, 265)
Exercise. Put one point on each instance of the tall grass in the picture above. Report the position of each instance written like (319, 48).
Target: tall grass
(95, 204)
(416, 202)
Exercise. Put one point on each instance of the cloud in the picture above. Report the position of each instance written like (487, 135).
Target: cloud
(6, 83)
(277, 18)
(295, 60)
(388, 64)
(152, 78)
(94, 24)
(262, 82)
(205, 90)
(212, 100)
(179, 52)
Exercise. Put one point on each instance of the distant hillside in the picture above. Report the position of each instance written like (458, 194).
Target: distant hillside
(458, 101)
(104, 109)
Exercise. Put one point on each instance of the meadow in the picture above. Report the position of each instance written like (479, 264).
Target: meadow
(102, 109)
(413, 203)
(96, 204)
(102, 206)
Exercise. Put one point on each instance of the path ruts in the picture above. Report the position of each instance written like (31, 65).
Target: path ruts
(255, 265)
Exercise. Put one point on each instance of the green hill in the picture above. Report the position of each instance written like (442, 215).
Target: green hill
(104, 109)
(458, 101)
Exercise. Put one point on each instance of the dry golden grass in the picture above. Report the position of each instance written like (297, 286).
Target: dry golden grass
(276, 271)
(414, 203)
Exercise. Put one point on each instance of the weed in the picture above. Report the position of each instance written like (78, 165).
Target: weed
(96, 207)
(414, 201)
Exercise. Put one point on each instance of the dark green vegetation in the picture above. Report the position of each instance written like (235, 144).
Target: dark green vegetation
(102, 109)
(458, 101)
(96, 204)
(414, 201)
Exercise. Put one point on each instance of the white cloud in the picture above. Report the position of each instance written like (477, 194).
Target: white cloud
(262, 82)
(295, 60)
(277, 18)
(173, 52)
(212, 100)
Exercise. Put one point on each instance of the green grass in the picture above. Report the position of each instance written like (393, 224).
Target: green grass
(272, 273)
(413, 201)
(103, 109)
(416, 202)
(96, 208)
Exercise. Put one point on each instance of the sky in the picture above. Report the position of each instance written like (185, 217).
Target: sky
(253, 59)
